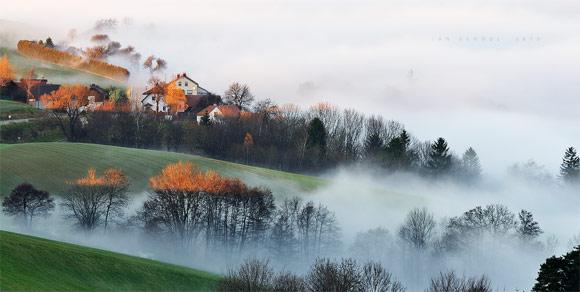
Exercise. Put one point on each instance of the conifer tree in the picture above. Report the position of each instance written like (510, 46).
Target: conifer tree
(570, 167)
(528, 228)
(439, 158)
(470, 165)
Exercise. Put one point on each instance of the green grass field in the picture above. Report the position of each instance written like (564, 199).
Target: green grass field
(54, 73)
(49, 165)
(34, 264)
(8, 106)
(17, 110)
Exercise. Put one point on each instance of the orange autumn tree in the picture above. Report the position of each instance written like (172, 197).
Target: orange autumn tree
(174, 97)
(6, 71)
(93, 199)
(66, 105)
(186, 177)
(182, 192)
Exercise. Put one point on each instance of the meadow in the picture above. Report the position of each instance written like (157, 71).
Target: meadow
(34, 264)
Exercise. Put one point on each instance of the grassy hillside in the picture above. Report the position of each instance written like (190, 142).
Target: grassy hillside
(7, 106)
(17, 110)
(49, 165)
(54, 73)
(33, 264)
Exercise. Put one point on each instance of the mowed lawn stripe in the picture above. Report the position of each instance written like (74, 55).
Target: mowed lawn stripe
(50, 165)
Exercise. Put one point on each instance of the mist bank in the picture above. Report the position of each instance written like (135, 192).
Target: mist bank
(369, 212)
(500, 72)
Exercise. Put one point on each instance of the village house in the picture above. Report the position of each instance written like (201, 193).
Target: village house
(215, 112)
(196, 97)
(29, 90)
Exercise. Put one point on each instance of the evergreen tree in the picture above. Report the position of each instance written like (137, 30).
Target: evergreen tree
(373, 145)
(439, 158)
(528, 228)
(470, 166)
(560, 273)
(315, 154)
(48, 43)
(316, 135)
(398, 151)
(205, 120)
(570, 167)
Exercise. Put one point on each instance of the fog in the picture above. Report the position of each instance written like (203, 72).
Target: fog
(364, 200)
(500, 76)
(505, 75)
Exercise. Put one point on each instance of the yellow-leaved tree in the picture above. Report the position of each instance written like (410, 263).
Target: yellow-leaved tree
(174, 97)
(6, 71)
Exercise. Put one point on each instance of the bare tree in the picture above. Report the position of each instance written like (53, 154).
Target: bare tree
(330, 276)
(450, 282)
(418, 228)
(86, 204)
(288, 282)
(116, 185)
(27, 202)
(253, 275)
(239, 95)
(375, 278)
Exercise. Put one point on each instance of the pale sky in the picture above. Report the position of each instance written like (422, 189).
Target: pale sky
(501, 76)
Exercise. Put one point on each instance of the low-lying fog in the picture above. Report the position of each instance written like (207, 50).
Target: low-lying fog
(363, 201)
(500, 76)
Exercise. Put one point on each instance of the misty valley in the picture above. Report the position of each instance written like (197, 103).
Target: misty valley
(290, 146)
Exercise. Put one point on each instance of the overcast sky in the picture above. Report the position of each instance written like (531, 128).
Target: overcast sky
(501, 76)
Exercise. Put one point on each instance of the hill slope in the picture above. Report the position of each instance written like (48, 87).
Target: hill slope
(49, 165)
(30, 263)
(54, 73)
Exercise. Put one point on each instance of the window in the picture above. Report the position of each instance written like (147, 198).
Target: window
(179, 83)
(190, 92)
(185, 83)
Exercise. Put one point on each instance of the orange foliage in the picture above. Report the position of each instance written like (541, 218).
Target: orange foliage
(248, 140)
(115, 177)
(6, 71)
(91, 179)
(174, 97)
(67, 97)
(112, 177)
(184, 176)
(34, 50)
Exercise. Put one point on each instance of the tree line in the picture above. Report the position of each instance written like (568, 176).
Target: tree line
(204, 212)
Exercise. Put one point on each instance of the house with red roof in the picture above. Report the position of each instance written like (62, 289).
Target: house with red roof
(197, 97)
(216, 112)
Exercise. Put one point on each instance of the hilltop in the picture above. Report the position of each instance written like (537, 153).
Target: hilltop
(55, 73)
(49, 165)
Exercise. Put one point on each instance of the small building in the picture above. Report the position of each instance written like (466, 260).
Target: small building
(196, 97)
(216, 112)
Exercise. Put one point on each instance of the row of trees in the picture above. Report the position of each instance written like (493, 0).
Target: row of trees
(345, 275)
(36, 50)
(319, 138)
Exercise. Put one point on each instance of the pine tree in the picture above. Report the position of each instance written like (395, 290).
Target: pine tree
(470, 166)
(560, 273)
(373, 145)
(439, 158)
(398, 151)
(316, 135)
(528, 228)
(205, 119)
(570, 167)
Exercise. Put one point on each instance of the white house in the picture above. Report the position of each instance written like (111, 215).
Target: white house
(215, 112)
(191, 89)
